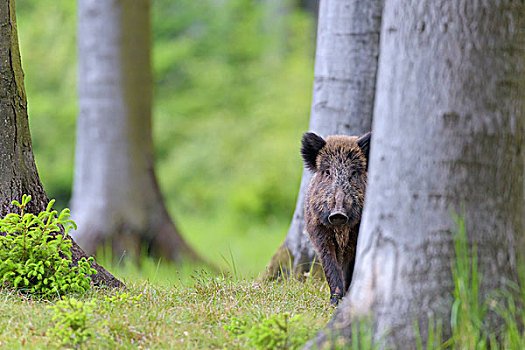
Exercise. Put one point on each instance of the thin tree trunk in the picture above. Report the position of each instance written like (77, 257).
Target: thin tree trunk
(342, 102)
(448, 134)
(116, 198)
(18, 173)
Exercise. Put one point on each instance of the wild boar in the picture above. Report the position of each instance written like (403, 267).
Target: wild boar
(334, 202)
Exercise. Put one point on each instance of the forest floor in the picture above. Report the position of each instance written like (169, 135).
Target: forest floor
(197, 310)
(168, 307)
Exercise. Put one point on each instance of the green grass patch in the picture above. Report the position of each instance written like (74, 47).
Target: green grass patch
(193, 313)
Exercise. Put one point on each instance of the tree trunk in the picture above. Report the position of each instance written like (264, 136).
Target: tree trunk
(18, 173)
(116, 198)
(448, 135)
(342, 102)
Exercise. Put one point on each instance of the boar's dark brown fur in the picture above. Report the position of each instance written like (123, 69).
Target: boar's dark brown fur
(334, 203)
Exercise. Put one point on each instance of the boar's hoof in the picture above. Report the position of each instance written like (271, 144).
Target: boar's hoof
(338, 218)
(335, 298)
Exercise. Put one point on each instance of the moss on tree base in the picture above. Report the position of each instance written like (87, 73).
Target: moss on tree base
(282, 264)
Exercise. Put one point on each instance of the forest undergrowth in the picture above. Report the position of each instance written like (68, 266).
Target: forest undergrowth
(168, 307)
(197, 311)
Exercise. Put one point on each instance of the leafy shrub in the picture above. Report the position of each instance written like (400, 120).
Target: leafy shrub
(279, 331)
(71, 317)
(35, 256)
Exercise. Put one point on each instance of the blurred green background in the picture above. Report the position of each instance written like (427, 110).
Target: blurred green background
(233, 81)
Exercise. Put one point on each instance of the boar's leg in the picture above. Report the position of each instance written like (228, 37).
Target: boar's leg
(348, 269)
(332, 271)
(349, 259)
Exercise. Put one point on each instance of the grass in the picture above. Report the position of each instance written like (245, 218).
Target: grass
(165, 308)
(492, 323)
(186, 307)
(188, 312)
(495, 322)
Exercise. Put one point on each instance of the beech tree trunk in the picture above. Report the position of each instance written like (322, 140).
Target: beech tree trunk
(448, 134)
(116, 198)
(342, 103)
(18, 173)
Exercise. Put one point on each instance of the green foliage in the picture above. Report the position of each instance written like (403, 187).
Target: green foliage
(35, 256)
(46, 30)
(229, 114)
(278, 331)
(72, 322)
(232, 97)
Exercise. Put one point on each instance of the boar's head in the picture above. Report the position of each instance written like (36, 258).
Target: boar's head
(339, 164)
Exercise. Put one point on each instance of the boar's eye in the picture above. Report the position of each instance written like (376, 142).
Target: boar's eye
(352, 174)
(327, 172)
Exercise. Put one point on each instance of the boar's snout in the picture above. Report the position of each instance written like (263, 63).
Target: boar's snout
(338, 218)
(337, 215)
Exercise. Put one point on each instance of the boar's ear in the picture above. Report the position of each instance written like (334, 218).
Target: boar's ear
(364, 143)
(311, 145)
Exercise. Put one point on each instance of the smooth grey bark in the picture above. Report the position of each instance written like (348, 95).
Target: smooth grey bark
(342, 103)
(116, 198)
(18, 173)
(448, 134)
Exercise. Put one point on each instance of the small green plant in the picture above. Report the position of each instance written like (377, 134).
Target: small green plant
(35, 255)
(72, 322)
(236, 327)
(279, 331)
(121, 298)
